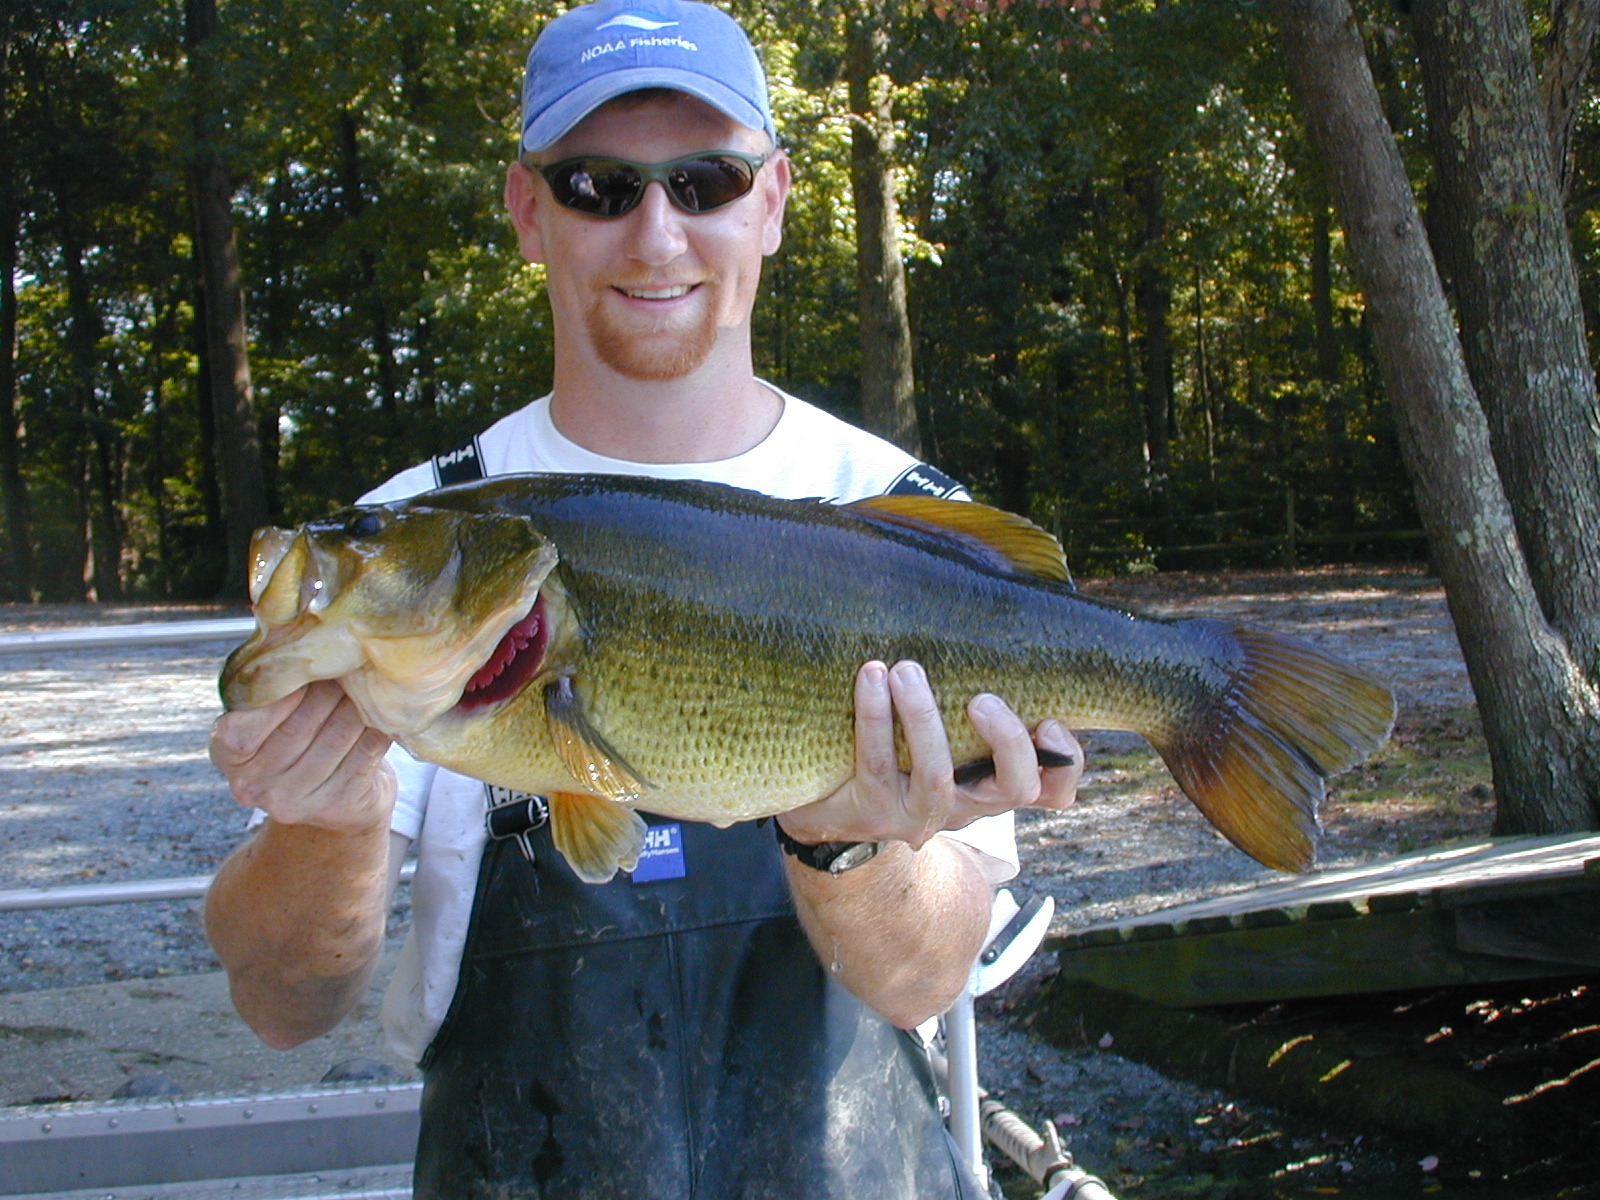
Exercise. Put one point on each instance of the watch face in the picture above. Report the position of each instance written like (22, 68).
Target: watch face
(852, 856)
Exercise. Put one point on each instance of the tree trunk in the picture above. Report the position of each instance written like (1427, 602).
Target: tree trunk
(888, 386)
(1153, 294)
(1541, 714)
(385, 376)
(1516, 291)
(1001, 347)
(13, 487)
(1204, 390)
(275, 321)
(100, 519)
(1566, 65)
(1330, 367)
(106, 524)
(210, 570)
(1330, 362)
(239, 452)
(162, 343)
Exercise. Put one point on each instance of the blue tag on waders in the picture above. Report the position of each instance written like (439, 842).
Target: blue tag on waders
(662, 855)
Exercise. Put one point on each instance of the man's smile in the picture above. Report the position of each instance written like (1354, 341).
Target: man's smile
(660, 293)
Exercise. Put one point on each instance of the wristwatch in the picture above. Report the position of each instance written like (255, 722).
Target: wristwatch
(833, 857)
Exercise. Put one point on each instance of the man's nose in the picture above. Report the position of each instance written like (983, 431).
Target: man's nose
(657, 229)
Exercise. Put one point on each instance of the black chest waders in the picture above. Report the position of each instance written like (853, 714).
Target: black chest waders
(667, 1040)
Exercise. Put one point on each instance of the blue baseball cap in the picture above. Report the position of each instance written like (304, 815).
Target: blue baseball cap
(597, 52)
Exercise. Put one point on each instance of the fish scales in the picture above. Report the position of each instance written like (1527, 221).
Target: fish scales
(700, 643)
(782, 614)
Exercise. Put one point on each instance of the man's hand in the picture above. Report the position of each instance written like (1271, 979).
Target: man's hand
(880, 803)
(307, 759)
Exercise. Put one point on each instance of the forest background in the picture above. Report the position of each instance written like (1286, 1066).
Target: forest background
(1082, 254)
(1124, 287)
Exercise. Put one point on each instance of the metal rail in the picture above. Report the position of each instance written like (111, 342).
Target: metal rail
(121, 637)
(77, 895)
(51, 1148)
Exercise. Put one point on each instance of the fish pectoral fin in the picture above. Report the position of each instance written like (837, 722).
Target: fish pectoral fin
(1005, 540)
(597, 836)
(583, 749)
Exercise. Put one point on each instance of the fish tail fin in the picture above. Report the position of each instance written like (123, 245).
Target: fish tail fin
(1255, 760)
(596, 835)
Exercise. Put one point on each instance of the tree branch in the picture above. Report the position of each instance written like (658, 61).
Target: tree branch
(1566, 66)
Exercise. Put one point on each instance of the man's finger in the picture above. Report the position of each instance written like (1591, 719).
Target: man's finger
(237, 735)
(876, 764)
(1015, 783)
(931, 791)
(314, 734)
(1058, 786)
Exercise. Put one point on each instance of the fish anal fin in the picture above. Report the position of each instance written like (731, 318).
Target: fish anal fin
(1256, 762)
(979, 769)
(584, 750)
(1009, 541)
(596, 836)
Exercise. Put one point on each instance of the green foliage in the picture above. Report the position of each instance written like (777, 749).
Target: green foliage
(1060, 165)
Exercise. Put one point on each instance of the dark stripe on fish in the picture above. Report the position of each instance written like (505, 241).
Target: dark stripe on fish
(979, 769)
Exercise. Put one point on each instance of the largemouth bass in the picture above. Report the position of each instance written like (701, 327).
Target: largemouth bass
(688, 649)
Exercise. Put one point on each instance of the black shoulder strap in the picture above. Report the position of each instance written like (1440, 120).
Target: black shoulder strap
(923, 480)
(461, 465)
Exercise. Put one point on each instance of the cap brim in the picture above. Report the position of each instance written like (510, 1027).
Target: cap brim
(557, 121)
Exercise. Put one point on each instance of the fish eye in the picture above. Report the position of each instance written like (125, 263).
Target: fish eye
(364, 524)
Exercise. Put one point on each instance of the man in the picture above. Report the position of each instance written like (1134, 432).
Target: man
(726, 1024)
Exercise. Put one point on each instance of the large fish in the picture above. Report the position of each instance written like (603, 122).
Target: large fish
(688, 649)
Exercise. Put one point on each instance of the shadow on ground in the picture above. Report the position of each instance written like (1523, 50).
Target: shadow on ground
(1484, 1092)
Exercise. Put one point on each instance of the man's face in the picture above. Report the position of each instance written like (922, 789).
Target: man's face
(655, 293)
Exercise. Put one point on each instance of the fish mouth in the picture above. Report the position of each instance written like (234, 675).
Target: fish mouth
(515, 661)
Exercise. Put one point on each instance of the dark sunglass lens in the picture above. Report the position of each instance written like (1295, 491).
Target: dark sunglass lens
(702, 184)
(598, 186)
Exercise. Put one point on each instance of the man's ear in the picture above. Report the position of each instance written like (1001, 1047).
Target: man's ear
(777, 197)
(522, 203)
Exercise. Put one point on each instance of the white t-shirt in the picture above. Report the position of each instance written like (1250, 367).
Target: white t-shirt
(808, 454)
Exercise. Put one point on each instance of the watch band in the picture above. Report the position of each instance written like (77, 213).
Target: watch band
(833, 857)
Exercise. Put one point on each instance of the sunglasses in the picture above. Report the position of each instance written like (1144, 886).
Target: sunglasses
(612, 187)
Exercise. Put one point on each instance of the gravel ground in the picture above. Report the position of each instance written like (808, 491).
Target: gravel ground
(103, 777)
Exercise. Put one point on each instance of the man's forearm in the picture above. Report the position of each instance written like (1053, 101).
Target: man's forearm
(901, 931)
(297, 916)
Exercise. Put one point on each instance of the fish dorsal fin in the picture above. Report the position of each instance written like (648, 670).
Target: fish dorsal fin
(1008, 541)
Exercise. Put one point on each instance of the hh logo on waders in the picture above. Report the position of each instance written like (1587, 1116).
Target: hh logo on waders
(662, 854)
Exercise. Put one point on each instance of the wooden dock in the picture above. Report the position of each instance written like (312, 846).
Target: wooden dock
(1501, 909)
